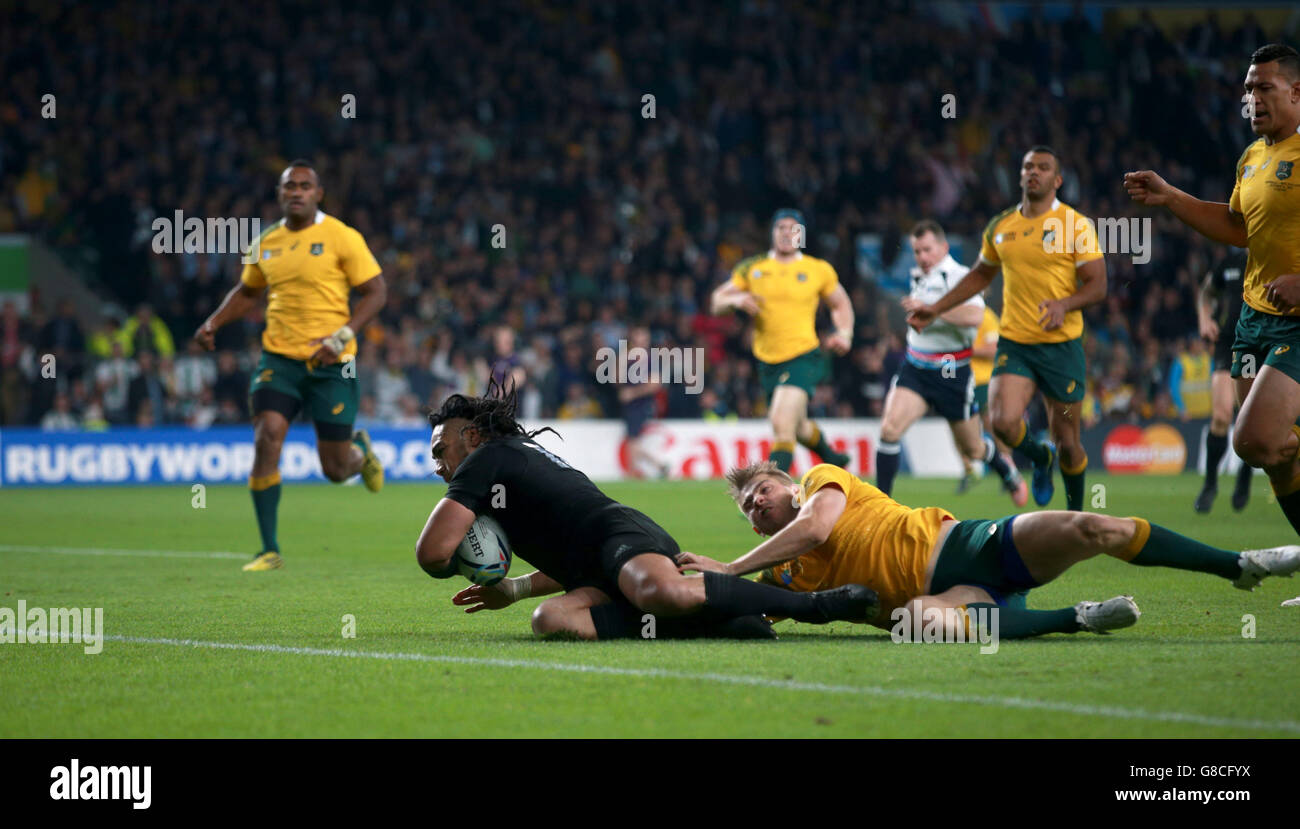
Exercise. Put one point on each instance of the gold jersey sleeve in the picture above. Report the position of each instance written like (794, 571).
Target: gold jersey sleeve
(308, 275)
(1267, 196)
(876, 541)
(1040, 258)
(986, 334)
(788, 295)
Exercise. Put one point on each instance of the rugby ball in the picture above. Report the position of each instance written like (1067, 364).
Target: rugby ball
(483, 556)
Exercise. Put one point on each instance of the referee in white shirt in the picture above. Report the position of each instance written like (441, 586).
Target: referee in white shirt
(936, 369)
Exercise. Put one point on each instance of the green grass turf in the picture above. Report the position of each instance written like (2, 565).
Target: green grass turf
(1184, 670)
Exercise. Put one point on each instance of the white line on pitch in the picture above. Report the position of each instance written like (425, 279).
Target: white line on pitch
(755, 681)
(101, 551)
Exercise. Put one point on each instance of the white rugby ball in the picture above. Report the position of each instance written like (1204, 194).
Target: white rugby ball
(484, 553)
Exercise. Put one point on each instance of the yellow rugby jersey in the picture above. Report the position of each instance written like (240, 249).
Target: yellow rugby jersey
(1267, 195)
(986, 334)
(786, 325)
(308, 275)
(877, 542)
(1039, 259)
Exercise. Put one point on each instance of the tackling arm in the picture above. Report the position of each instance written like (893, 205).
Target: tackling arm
(809, 529)
(443, 532)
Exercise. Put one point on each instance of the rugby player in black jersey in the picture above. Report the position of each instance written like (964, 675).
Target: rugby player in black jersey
(610, 564)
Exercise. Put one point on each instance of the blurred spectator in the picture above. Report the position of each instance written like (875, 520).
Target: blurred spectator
(61, 417)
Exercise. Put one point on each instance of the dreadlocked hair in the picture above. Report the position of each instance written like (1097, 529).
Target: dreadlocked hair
(493, 414)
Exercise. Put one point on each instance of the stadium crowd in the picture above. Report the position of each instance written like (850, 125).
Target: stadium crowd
(528, 204)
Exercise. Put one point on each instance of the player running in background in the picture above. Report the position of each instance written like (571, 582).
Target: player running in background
(638, 402)
(1262, 215)
(781, 290)
(982, 352)
(613, 564)
(1218, 306)
(1047, 281)
(307, 264)
(936, 372)
(835, 529)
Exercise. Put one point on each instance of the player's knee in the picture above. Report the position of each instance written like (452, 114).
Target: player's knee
(1006, 427)
(335, 471)
(550, 618)
(889, 433)
(1253, 449)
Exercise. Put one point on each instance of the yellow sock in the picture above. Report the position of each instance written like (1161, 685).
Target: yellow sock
(265, 482)
(1138, 541)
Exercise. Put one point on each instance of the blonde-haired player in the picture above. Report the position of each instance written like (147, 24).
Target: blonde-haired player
(831, 529)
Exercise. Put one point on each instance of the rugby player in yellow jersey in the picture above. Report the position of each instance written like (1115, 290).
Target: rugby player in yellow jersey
(781, 290)
(834, 529)
(1052, 268)
(307, 264)
(1262, 215)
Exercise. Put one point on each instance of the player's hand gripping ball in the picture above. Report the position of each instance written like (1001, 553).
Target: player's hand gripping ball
(483, 556)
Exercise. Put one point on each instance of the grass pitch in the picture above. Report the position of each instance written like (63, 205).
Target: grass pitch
(198, 648)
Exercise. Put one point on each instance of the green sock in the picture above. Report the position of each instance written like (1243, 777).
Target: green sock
(266, 502)
(1018, 623)
(1166, 548)
(818, 443)
(1035, 450)
(1074, 487)
(782, 455)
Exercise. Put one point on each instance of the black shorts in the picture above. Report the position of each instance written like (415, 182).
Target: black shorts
(637, 413)
(1223, 349)
(624, 534)
(952, 398)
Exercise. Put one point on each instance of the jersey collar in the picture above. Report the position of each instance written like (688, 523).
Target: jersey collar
(771, 254)
(1020, 208)
(320, 216)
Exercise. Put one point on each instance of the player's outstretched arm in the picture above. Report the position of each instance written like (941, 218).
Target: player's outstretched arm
(809, 529)
(443, 532)
(241, 299)
(506, 592)
(975, 281)
(1212, 219)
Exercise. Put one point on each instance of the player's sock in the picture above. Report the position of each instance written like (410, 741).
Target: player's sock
(266, 501)
(734, 596)
(994, 458)
(1154, 546)
(887, 460)
(782, 454)
(817, 442)
(1074, 484)
(1035, 450)
(1288, 497)
(1016, 623)
(1215, 446)
(616, 620)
